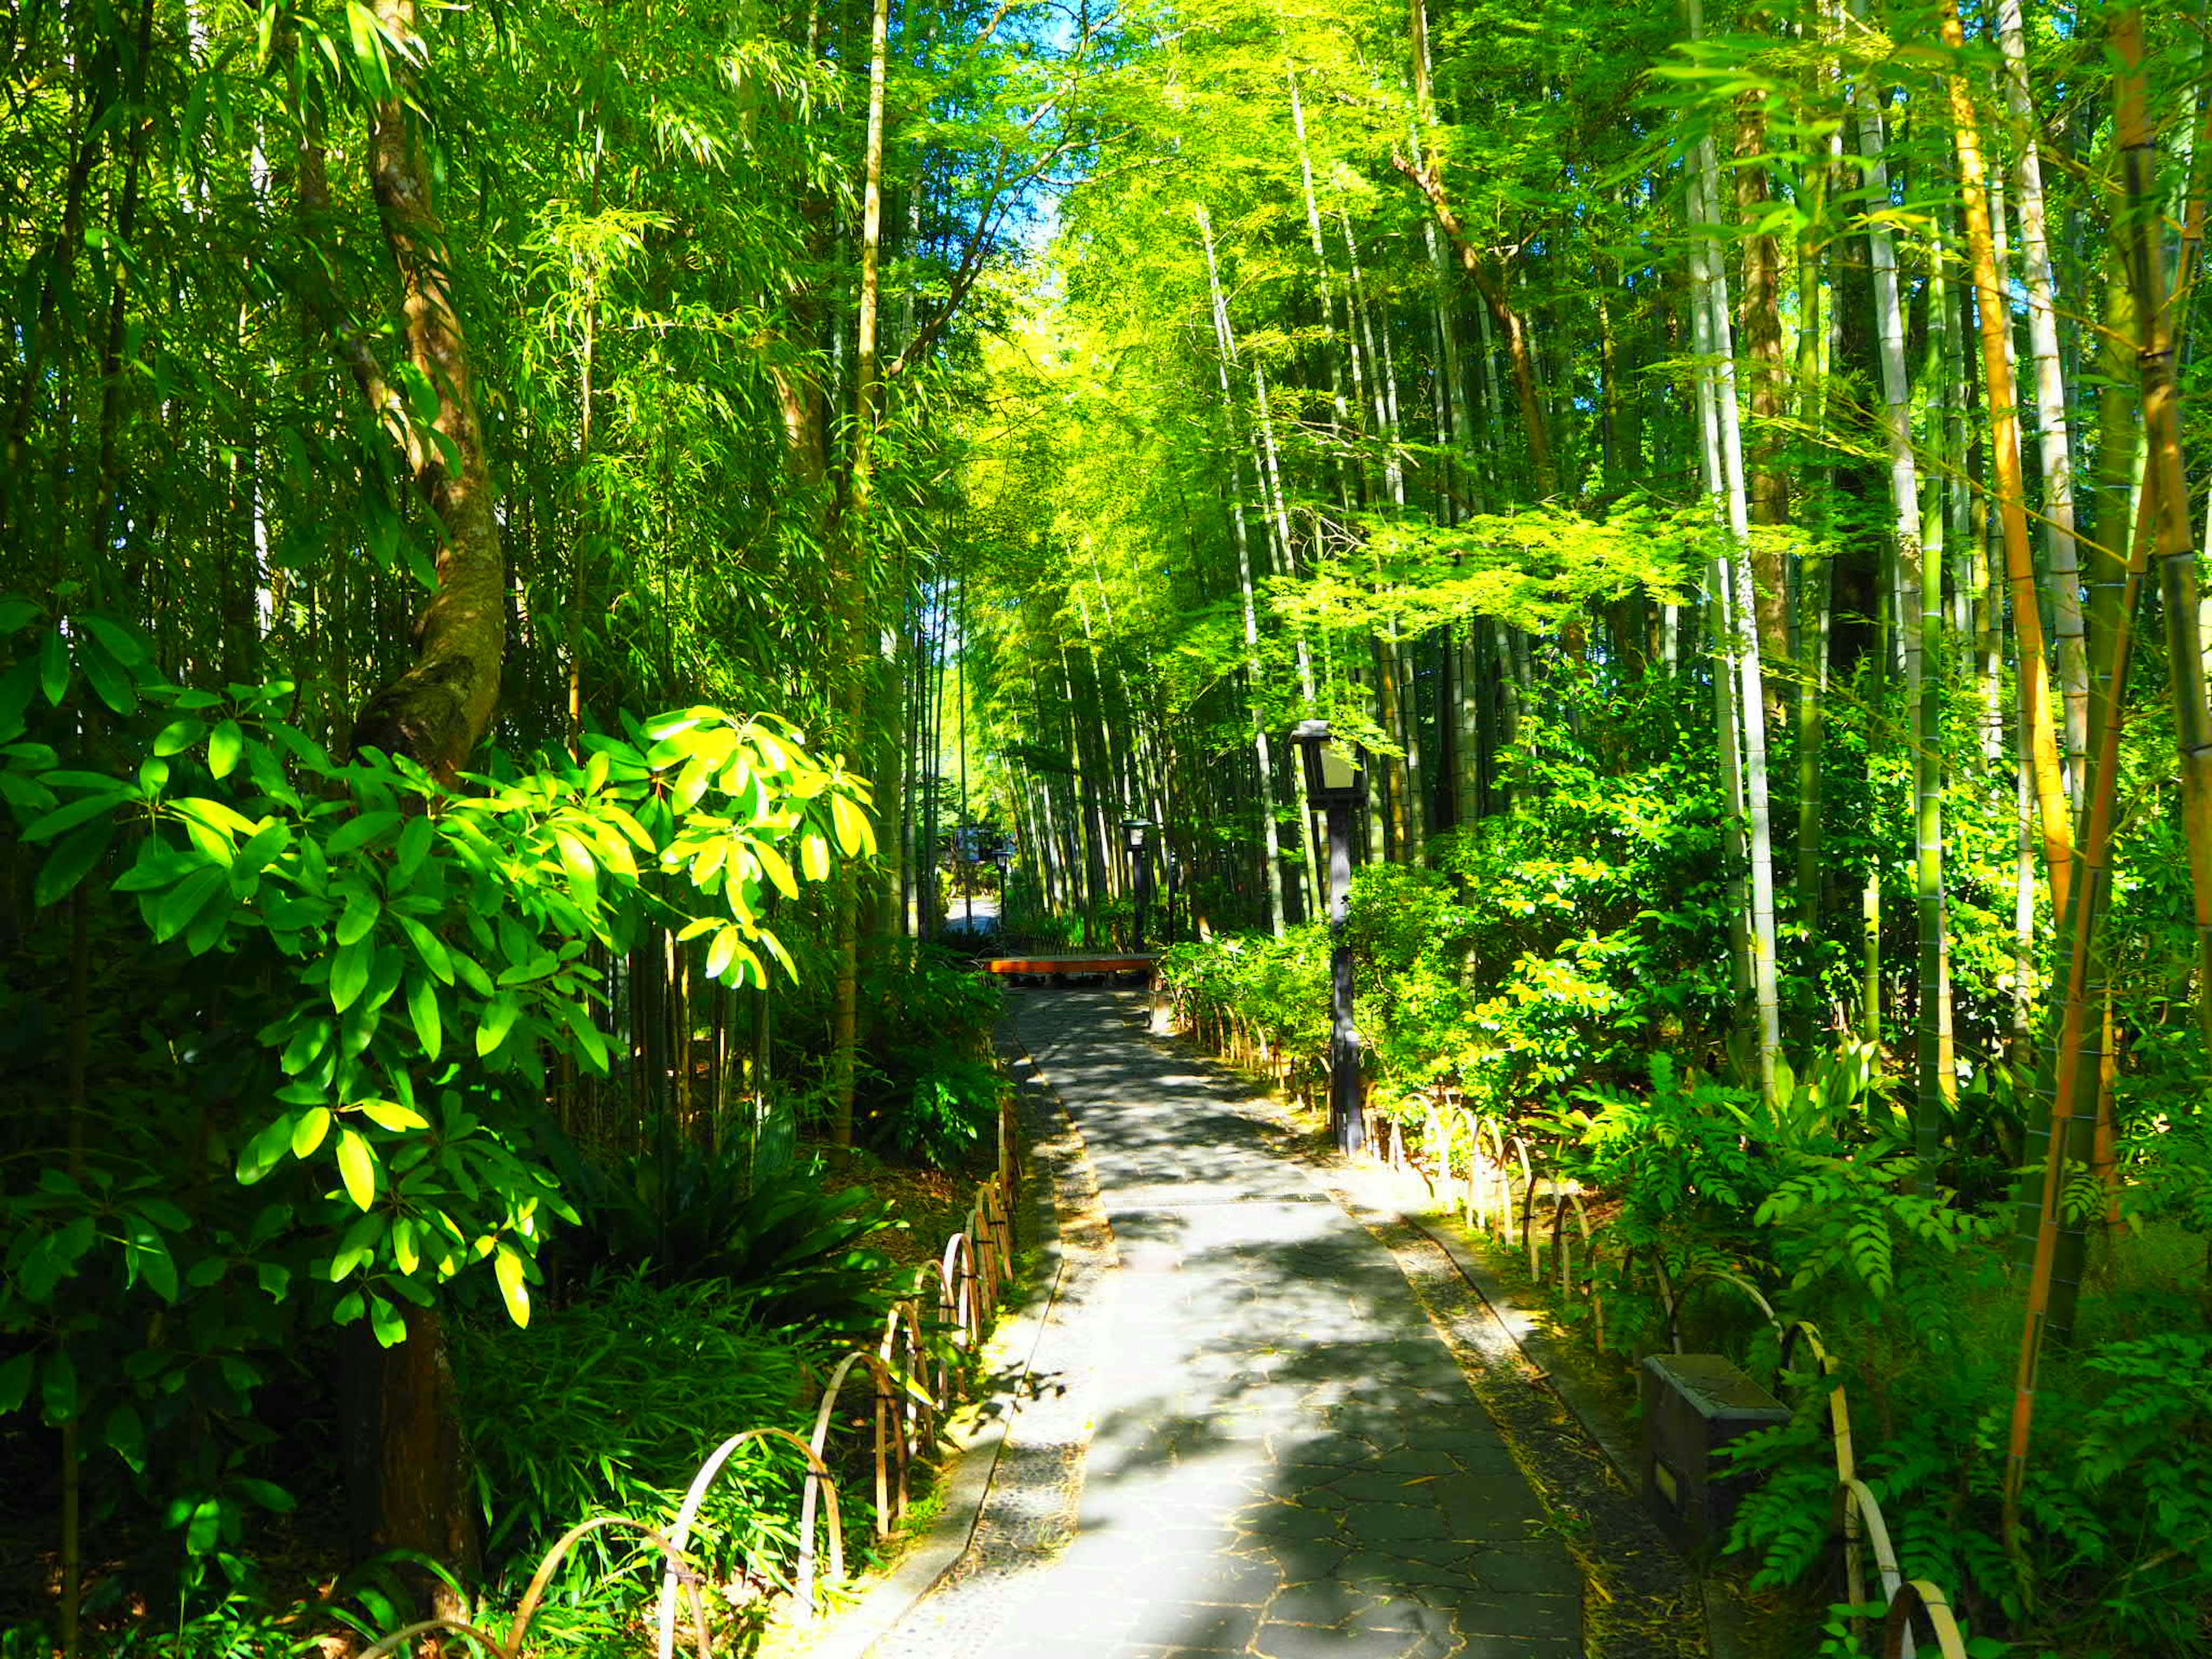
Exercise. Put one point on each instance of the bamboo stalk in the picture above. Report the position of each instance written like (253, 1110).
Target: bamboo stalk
(1994, 312)
(2073, 1051)
(2166, 481)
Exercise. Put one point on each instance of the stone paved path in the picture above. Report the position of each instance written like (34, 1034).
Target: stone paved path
(1283, 1459)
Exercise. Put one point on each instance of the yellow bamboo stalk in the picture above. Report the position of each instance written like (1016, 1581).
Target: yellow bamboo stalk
(1991, 303)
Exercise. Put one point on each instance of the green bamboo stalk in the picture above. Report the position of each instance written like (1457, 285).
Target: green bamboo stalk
(2166, 481)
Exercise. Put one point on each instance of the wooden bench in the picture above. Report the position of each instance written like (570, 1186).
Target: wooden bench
(1059, 969)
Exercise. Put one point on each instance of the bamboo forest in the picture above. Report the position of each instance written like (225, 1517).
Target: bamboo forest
(1105, 828)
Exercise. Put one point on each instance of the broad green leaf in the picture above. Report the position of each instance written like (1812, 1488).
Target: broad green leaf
(386, 1322)
(578, 1017)
(125, 647)
(423, 1010)
(57, 1388)
(429, 948)
(146, 1256)
(71, 861)
(15, 1382)
(53, 668)
(414, 845)
(270, 1496)
(721, 952)
(404, 1251)
(307, 1134)
(204, 1530)
(349, 973)
(225, 744)
(178, 736)
(361, 832)
(498, 1018)
(776, 949)
(855, 835)
(305, 1046)
(109, 679)
(576, 860)
(357, 1169)
(691, 783)
(125, 1434)
(177, 908)
(390, 1114)
(361, 910)
(778, 868)
(814, 858)
(64, 819)
(506, 1266)
(265, 1150)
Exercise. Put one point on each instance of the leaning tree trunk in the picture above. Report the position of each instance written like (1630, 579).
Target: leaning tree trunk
(437, 711)
(406, 1453)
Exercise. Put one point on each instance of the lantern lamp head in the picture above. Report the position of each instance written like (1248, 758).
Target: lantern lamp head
(1336, 771)
(1133, 833)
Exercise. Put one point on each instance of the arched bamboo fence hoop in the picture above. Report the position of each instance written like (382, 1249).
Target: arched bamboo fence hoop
(1855, 1500)
(956, 1288)
(1918, 1596)
(526, 1609)
(1839, 1409)
(908, 1399)
(816, 1471)
(915, 1406)
(457, 1626)
(880, 1374)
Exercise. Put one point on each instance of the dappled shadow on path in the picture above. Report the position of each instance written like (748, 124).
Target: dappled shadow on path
(1286, 1460)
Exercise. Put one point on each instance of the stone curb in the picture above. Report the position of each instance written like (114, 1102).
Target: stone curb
(976, 1434)
(1723, 1616)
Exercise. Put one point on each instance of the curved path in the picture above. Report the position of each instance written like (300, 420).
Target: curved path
(1240, 1433)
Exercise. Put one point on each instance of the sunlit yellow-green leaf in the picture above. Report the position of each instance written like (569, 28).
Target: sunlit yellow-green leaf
(357, 1169)
(506, 1266)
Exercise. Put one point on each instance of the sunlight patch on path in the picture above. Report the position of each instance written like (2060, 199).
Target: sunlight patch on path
(1275, 1454)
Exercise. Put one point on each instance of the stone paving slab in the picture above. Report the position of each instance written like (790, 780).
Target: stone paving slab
(1253, 1441)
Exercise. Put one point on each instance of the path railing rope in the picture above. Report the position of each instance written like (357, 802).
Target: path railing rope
(913, 1384)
